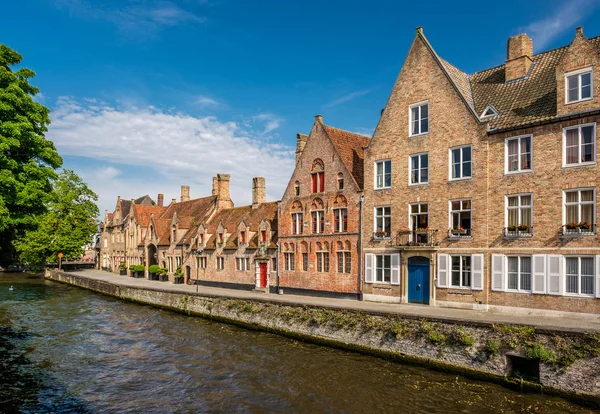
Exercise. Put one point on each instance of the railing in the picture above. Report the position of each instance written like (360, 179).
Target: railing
(579, 231)
(417, 238)
(460, 234)
(381, 235)
(514, 232)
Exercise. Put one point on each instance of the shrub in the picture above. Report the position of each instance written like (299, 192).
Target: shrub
(459, 336)
(122, 266)
(139, 268)
(132, 268)
(491, 348)
(399, 329)
(178, 272)
(154, 269)
(538, 351)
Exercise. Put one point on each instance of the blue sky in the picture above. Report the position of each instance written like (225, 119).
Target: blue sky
(149, 95)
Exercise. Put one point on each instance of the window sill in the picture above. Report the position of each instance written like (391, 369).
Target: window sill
(418, 184)
(576, 234)
(518, 172)
(579, 295)
(459, 179)
(579, 101)
(382, 188)
(580, 164)
(418, 135)
(459, 237)
(456, 287)
(518, 291)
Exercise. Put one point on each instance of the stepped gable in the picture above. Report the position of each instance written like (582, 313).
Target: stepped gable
(350, 147)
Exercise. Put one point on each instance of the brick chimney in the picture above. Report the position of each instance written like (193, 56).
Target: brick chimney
(185, 193)
(259, 191)
(223, 198)
(215, 186)
(160, 200)
(300, 144)
(519, 52)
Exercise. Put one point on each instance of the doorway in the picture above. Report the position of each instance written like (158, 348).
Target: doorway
(418, 280)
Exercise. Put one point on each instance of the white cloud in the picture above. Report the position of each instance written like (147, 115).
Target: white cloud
(178, 148)
(347, 98)
(564, 18)
(206, 101)
(272, 122)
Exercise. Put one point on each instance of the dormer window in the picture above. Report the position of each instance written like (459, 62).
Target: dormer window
(201, 238)
(489, 112)
(243, 236)
(220, 237)
(578, 85)
(263, 235)
(419, 119)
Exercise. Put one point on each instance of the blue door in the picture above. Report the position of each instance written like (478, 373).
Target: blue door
(418, 280)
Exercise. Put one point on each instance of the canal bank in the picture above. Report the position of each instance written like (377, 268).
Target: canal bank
(554, 360)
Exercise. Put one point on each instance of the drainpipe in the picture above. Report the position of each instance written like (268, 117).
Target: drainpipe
(277, 272)
(360, 250)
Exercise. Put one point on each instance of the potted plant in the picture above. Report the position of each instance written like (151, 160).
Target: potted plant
(139, 270)
(458, 230)
(153, 272)
(178, 276)
(584, 226)
(421, 230)
(122, 269)
(380, 234)
(524, 228)
(404, 230)
(571, 226)
(512, 228)
(163, 274)
(132, 270)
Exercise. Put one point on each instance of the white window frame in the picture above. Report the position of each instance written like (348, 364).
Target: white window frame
(518, 257)
(519, 207)
(340, 223)
(383, 186)
(419, 169)
(289, 261)
(418, 106)
(220, 262)
(242, 264)
(519, 169)
(578, 73)
(594, 278)
(201, 262)
(320, 215)
(450, 178)
(375, 268)
(461, 210)
(483, 115)
(297, 227)
(450, 270)
(579, 203)
(579, 146)
(384, 217)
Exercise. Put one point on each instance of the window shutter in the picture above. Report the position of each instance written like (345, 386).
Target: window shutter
(498, 272)
(442, 281)
(369, 258)
(598, 276)
(395, 269)
(477, 281)
(539, 274)
(322, 182)
(554, 273)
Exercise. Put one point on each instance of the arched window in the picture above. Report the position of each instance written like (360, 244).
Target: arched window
(318, 176)
(297, 217)
(288, 257)
(174, 240)
(340, 181)
(323, 257)
(318, 216)
(304, 250)
(344, 258)
(297, 188)
(340, 214)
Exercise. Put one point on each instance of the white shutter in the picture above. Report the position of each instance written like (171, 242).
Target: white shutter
(498, 272)
(554, 285)
(598, 276)
(395, 269)
(369, 258)
(477, 272)
(442, 281)
(538, 282)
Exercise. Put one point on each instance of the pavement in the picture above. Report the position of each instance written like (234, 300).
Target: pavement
(574, 322)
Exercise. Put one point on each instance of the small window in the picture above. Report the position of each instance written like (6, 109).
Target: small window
(419, 169)
(419, 119)
(461, 271)
(289, 261)
(383, 268)
(519, 273)
(263, 235)
(220, 237)
(297, 188)
(488, 112)
(340, 181)
(201, 262)
(460, 163)
(220, 263)
(383, 174)
(242, 264)
(518, 154)
(580, 211)
(580, 275)
(274, 264)
(243, 236)
(519, 211)
(579, 145)
(323, 262)
(318, 221)
(579, 85)
(305, 262)
(340, 223)
(318, 182)
(460, 218)
(383, 222)
(297, 223)
(344, 262)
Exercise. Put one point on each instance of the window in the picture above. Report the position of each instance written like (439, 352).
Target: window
(344, 262)
(201, 238)
(178, 261)
(518, 154)
(519, 273)
(578, 86)
(580, 208)
(340, 216)
(340, 181)
(461, 271)
(297, 223)
(289, 261)
(170, 264)
(579, 275)
(274, 264)
(242, 264)
(383, 221)
(297, 188)
(383, 174)
(419, 169)
(419, 119)
(489, 112)
(579, 145)
(201, 262)
(263, 235)
(419, 216)
(243, 236)
(318, 218)
(322, 261)
(220, 263)
(460, 216)
(305, 262)
(318, 182)
(220, 237)
(383, 268)
(519, 210)
(174, 235)
(460, 162)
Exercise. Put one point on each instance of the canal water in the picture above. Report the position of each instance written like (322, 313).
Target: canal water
(64, 349)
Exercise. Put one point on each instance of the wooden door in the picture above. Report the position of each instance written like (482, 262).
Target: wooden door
(263, 275)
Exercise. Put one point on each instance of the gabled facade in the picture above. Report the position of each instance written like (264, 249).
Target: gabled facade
(475, 211)
(319, 214)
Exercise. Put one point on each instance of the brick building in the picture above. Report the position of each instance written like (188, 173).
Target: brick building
(319, 214)
(472, 182)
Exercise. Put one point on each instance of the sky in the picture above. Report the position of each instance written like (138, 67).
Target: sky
(149, 95)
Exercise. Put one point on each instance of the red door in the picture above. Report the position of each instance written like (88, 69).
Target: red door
(263, 275)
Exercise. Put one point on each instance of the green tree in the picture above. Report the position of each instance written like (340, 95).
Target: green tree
(68, 223)
(27, 159)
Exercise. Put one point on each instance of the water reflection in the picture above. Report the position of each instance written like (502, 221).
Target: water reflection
(69, 349)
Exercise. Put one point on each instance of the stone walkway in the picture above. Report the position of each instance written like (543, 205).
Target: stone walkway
(572, 322)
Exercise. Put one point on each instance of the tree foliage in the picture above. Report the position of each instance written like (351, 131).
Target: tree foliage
(67, 224)
(27, 159)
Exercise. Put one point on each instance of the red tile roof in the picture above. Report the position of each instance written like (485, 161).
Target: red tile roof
(350, 147)
(142, 213)
(188, 212)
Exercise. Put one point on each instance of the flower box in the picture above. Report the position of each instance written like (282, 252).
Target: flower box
(421, 230)
(584, 226)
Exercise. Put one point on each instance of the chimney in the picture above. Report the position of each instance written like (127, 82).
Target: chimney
(518, 57)
(300, 144)
(319, 118)
(185, 193)
(215, 187)
(173, 200)
(259, 191)
(160, 200)
(579, 30)
(223, 198)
